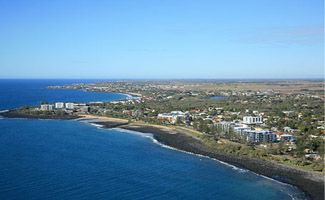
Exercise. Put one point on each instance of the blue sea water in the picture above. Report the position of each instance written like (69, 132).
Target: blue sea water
(17, 93)
(58, 159)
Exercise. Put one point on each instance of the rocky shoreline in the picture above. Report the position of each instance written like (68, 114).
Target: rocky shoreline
(312, 184)
(112, 124)
(16, 114)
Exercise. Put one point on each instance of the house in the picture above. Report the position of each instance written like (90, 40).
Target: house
(218, 118)
(127, 112)
(289, 130)
(255, 112)
(313, 156)
(195, 110)
(278, 135)
(288, 112)
(287, 138)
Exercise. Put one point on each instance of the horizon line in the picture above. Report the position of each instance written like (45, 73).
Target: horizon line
(25, 78)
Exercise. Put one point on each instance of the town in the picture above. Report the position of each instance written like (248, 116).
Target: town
(278, 121)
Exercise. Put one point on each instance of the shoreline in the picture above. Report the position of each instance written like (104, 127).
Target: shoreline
(14, 114)
(306, 182)
(150, 135)
(312, 184)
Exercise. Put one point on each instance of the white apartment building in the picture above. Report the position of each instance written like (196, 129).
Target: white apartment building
(69, 106)
(252, 120)
(47, 107)
(241, 129)
(59, 105)
(171, 117)
(260, 136)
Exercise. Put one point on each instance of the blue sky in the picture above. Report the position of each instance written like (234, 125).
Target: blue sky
(162, 39)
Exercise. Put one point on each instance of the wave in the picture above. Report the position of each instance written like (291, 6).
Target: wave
(299, 195)
(294, 193)
(128, 96)
(97, 125)
(146, 135)
(90, 122)
(150, 136)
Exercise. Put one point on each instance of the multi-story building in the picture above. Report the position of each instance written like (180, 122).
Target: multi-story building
(81, 107)
(167, 118)
(241, 129)
(47, 107)
(59, 105)
(69, 106)
(171, 117)
(225, 126)
(260, 136)
(252, 119)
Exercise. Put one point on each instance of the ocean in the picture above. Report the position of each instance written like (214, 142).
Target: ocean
(59, 159)
(17, 93)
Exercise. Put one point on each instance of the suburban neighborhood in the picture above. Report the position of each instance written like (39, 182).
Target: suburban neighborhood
(279, 118)
(278, 121)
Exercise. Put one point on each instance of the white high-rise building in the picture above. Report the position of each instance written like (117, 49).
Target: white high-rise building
(260, 136)
(69, 106)
(47, 107)
(252, 120)
(59, 105)
(51, 107)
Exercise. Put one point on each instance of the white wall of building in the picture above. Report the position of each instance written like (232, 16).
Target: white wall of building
(69, 106)
(59, 105)
(47, 107)
(252, 120)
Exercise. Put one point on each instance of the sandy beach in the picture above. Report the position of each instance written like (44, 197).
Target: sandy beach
(101, 118)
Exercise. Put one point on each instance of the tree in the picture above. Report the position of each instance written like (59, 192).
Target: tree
(301, 145)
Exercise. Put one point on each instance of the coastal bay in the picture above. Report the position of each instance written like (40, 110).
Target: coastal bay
(68, 159)
(187, 140)
(311, 183)
(162, 100)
